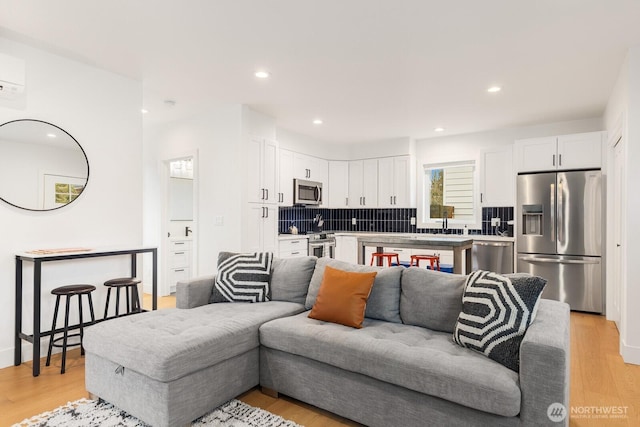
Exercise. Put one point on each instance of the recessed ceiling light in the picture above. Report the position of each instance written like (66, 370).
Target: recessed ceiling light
(317, 122)
(261, 74)
(494, 89)
(51, 135)
(438, 130)
(144, 111)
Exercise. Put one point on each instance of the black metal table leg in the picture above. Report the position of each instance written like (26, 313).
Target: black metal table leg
(17, 351)
(37, 297)
(154, 253)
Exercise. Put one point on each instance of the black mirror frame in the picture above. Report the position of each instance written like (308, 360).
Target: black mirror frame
(86, 159)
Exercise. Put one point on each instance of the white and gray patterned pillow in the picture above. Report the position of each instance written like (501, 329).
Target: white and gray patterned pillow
(242, 277)
(496, 312)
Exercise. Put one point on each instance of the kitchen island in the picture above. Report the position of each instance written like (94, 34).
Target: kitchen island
(459, 245)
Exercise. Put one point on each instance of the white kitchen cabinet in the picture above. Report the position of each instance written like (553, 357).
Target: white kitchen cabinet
(363, 183)
(179, 262)
(285, 181)
(261, 229)
(338, 184)
(293, 248)
(394, 182)
(577, 151)
(262, 171)
(497, 177)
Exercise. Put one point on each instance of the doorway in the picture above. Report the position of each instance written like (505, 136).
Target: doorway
(180, 221)
(619, 221)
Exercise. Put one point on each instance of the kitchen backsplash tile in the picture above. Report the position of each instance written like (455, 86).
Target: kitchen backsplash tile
(396, 220)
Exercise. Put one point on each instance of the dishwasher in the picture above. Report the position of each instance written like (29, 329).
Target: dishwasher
(493, 256)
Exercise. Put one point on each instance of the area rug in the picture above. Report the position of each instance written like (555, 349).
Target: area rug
(94, 413)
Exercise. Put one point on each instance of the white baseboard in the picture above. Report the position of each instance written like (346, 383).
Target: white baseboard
(6, 355)
(630, 354)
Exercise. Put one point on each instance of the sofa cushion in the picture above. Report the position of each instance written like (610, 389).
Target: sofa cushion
(342, 297)
(431, 299)
(384, 300)
(496, 314)
(171, 343)
(408, 356)
(290, 278)
(242, 277)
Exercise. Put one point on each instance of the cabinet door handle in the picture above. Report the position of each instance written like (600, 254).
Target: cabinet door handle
(295, 241)
(395, 202)
(553, 161)
(559, 159)
(182, 269)
(364, 201)
(267, 191)
(179, 253)
(295, 253)
(263, 212)
(391, 200)
(179, 243)
(346, 201)
(480, 197)
(262, 198)
(266, 211)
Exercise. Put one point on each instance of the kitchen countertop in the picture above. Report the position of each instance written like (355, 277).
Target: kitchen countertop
(292, 236)
(477, 237)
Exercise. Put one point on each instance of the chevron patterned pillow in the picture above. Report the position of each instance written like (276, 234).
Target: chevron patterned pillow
(496, 312)
(242, 277)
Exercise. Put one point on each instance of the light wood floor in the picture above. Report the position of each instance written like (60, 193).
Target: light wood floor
(599, 378)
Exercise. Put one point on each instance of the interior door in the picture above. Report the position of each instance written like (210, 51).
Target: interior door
(615, 288)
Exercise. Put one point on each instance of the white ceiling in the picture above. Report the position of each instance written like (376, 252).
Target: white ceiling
(371, 69)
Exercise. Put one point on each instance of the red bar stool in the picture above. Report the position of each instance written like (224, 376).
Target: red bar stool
(434, 260)
(379, 257)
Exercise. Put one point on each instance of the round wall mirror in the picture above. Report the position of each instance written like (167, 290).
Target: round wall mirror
(42, 167)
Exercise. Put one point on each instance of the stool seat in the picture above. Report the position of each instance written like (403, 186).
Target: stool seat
(434, 261)
(122, 281)
(381, 256)
(73, 290)
(69, 291)
(130, 285)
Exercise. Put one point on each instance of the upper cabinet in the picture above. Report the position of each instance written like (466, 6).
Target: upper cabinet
(394, 189)
(363, 183)
(262, 171)
(578, 151)
(496, 177)
(338, 184)
(312, 169)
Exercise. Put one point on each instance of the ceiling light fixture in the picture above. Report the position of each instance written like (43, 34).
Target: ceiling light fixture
(261, 74)
(494, 89)
(438, 130)
(317, 122)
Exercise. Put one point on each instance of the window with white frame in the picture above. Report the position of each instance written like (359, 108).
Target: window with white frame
(448, 191)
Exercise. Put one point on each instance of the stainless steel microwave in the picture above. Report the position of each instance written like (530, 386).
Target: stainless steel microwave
(307, 192)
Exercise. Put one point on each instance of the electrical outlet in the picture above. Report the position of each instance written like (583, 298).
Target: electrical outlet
(353, 221)
(413, 220)
(495, 222)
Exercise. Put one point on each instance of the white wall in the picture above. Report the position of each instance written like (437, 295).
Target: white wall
(214, 137)
(623, 116)
(101, 110)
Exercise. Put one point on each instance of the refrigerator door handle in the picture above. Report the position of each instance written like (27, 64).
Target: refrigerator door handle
(552, 192)
(559, 261)
(560, 212)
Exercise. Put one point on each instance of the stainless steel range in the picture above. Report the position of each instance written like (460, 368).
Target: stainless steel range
(322, 245)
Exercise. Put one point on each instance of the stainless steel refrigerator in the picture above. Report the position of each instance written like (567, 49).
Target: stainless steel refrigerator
(560, 236)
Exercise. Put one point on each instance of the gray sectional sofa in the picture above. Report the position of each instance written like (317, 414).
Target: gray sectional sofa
(402, 368)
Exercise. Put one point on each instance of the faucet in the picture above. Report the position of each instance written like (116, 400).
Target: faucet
(187, 230)
(445, 223)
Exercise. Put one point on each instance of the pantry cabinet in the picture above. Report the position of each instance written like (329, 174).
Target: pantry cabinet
(262, 171)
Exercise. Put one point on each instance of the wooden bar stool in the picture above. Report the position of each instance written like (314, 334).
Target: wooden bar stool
(434, 260)
(69, 291)
(379, 257)
(130, 285)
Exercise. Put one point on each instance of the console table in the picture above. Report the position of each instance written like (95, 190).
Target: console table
(458, 245)
(43, 256)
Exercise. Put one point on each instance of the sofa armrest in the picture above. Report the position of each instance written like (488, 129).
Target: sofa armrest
(194, 292)
(545, 363)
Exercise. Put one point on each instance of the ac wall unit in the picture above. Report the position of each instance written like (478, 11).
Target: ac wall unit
(12, 77)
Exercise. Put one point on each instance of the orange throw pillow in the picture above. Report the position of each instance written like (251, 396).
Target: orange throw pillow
(342, 297)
